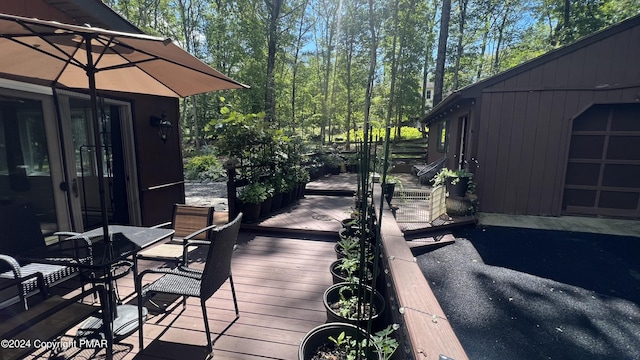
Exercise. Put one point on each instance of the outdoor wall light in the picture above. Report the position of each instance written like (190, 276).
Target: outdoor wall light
(163, 125)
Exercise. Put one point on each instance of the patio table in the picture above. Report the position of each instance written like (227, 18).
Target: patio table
(106, 257)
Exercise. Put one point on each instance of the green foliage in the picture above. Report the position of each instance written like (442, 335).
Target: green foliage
(253, 193)
(406, 133)
(444, 174)
(204, 167)
(384, 343)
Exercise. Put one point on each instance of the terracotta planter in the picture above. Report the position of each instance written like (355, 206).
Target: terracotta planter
(319, 336)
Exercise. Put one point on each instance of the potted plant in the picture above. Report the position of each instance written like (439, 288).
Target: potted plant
(349, 247)
(352, 162)
(348, 270)
(389, 186)
(338, 341)
(265, 208)
(333, 162)
(456, 181)
(251, 197)
(279, 184)
(354, 304)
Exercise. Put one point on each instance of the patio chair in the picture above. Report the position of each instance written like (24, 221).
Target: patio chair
(189, 282)
(50, 319)
(186, 220)
(426, 172)
(20, 233)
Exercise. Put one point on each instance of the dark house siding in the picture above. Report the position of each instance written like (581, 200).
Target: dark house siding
(522, 131)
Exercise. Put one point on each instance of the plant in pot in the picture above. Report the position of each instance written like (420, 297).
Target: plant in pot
(341, 341)
(389, 186)
(349, 247)
(333, 162)
(351, 162)
(302, 178)
(455, 181)
(251, 197)
(278, 184)
(355, 304)
(265, 208)
(348, 270)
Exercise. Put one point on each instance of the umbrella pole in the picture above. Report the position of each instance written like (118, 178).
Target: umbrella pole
(91, 75)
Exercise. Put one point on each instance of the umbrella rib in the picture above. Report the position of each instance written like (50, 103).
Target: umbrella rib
(153, 58)
(70, 57)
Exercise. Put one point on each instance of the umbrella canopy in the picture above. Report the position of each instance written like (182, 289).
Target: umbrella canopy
(48, 52)
(56, 54)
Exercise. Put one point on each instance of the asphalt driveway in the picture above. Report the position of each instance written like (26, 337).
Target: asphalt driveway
(521, 294)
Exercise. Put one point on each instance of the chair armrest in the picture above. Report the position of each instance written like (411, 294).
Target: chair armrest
(13, 263)
(65, 233)
(190, 237)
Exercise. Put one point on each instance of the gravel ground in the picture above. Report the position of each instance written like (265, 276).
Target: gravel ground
(537, 294)
(206, 194)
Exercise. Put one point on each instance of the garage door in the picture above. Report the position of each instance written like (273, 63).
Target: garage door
(603, 170)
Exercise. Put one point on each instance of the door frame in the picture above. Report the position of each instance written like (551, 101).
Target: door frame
(128, 148)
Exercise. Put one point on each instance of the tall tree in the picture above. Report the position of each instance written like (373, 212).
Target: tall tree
(442, 51)
(274, 8)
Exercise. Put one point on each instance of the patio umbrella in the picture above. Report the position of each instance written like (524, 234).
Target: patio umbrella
(62, 55)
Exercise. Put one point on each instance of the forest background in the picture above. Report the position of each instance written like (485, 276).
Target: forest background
(319, 67)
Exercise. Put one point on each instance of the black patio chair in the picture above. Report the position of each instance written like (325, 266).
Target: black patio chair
(189, 282)
(426, 172)
(20, 234)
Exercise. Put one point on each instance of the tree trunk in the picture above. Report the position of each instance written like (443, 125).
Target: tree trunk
(442, 51)
(394, 64)
(459, 49)
(301, 33)
(274, 7)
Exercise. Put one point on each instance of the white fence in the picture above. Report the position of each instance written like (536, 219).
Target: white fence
(419, 205)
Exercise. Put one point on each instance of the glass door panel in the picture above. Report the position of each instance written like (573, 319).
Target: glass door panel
(25, 166)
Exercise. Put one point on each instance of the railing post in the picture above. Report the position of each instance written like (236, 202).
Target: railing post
(230, 165)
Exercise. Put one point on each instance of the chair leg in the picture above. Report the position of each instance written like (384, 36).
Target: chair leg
(206, 326)
(233, 294)
(140, 320)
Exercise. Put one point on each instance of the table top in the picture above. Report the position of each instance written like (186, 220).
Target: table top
(124, 241)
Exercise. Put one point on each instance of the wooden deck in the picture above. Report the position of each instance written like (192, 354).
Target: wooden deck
(279, 284)
(313, 214)
(280, 278)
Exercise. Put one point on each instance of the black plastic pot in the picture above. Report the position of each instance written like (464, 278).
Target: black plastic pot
(276, 202)
(387, 190)
(319, 336)
(332, 295)
(265, 209)
(251, 212)
(459, 188)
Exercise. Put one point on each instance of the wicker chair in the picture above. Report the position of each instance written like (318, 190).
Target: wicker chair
(189, 282)
(426, 172)
(19, 234)
(186, 220)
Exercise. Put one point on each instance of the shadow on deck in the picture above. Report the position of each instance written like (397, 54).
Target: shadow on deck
(280, 272)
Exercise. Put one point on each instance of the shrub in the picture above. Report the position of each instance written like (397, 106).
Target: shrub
(204, 167)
